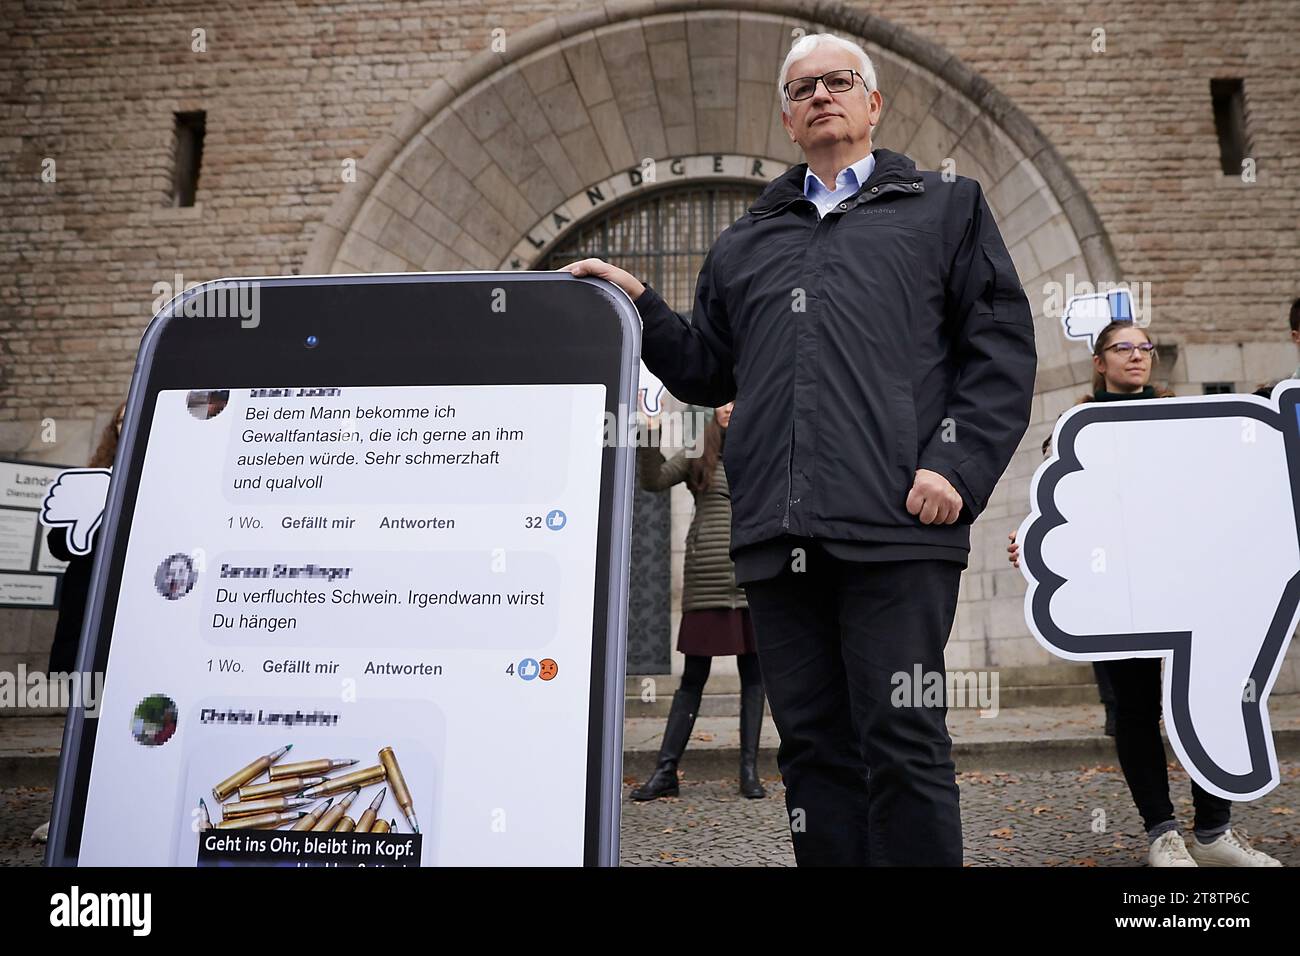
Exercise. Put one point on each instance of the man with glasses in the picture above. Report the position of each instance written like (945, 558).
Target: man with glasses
(869, 324)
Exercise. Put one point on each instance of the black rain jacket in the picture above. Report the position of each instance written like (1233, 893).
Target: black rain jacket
(890, 335)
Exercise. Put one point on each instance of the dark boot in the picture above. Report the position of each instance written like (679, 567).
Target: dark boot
(751, 726)
(681, 720)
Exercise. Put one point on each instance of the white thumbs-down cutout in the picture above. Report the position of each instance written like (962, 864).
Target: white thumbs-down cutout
(1168, 528)
(76, 501)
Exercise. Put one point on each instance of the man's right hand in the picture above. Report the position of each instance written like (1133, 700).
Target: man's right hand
(603, 270)
(1013, 551)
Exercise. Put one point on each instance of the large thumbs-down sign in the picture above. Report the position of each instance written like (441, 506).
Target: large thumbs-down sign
(1171, 528)
(76, 501)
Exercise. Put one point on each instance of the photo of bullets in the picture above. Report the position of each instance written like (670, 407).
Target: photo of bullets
(305, 796)
(367, 822)
(309, 820)
(242, 776)
(269, 805)
(349, 781)
(393, 773)
(260, 821)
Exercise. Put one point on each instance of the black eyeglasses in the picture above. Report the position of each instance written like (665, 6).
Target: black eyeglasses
(836, 81)
(1126, 349)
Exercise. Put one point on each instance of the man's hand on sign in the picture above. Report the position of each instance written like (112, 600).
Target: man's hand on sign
(604, 270)
(933, 498)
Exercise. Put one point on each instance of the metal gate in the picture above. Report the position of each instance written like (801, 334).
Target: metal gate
(661, 238)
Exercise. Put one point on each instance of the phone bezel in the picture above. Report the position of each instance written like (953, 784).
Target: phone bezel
(403, 341)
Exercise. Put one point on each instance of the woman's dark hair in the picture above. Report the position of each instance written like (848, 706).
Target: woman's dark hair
(107, 448)
(1099, 349)
(700, 477)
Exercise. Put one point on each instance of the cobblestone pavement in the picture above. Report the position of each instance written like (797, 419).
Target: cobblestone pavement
(1010, 819)
(22, 810)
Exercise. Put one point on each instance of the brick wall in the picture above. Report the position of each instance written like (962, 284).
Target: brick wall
(293, 92)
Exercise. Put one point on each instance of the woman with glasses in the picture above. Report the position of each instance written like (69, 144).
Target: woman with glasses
(1122, 361)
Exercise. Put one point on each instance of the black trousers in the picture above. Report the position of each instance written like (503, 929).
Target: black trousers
(1141, 752)
(867, 783)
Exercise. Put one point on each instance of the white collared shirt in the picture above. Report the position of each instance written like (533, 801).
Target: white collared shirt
(848, 182)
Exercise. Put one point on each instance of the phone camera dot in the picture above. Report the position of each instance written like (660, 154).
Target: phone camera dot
(311, 341)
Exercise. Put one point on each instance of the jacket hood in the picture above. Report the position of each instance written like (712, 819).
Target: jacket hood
(789, 185)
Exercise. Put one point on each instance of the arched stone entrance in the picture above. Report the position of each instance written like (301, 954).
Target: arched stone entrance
(661, 235)
(491, 164)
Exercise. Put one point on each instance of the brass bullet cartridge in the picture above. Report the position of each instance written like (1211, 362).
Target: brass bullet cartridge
(381, 826)
(309, 819)
(368, 818)
(331, 819)
(393, 773)
(346, 825)
(242, 776)
(265, 805)
(205, 821)
(286, 787)
(308, 768)
(263, 821)
(349, 781)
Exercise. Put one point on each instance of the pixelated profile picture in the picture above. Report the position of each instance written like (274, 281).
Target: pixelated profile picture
(154, 720)
(175, 576)
(207, 403)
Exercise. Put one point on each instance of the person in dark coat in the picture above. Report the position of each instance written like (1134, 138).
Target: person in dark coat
(76, 578)
(715, 614)
(72, 599)
(867, 320)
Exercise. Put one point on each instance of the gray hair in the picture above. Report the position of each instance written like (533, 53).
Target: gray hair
(805, 45)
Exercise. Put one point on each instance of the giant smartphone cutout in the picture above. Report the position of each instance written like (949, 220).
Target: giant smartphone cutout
(380, 523)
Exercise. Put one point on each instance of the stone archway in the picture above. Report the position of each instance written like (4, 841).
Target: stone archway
(483, 159)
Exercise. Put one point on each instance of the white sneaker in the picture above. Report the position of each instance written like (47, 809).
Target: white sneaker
(42, 833)
(1170, 850)
(1231, 848)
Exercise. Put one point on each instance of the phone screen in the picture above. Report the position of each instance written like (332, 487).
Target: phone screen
(388, 595)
